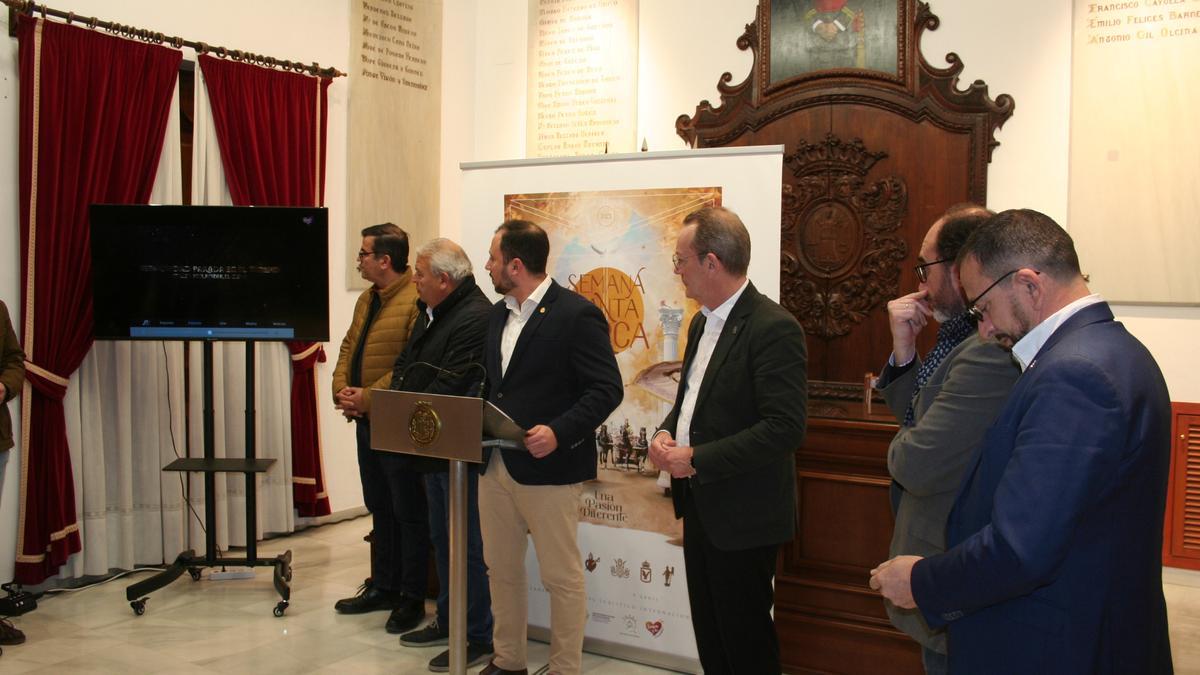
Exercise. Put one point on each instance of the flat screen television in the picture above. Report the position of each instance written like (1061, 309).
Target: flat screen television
(210, 272)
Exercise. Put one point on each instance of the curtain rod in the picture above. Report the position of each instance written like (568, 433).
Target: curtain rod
(28, 7)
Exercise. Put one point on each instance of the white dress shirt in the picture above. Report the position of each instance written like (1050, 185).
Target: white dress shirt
(1027, 347)
(714, 323)
(518, 316)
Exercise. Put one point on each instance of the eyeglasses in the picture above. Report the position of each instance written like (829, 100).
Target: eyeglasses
(973, 306)
(677, 259)
(923, 274)
(362, 254)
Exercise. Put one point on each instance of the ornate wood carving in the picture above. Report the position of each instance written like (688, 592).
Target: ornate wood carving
(872, 158)
(841, 244)
(924, 93)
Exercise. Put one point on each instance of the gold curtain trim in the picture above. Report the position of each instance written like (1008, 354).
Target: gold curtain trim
(27, 389)
(43, 373)
(54, 536)
(307, 352)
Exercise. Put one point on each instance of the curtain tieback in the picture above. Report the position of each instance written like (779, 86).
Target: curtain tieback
(308, 358)
(47, 383)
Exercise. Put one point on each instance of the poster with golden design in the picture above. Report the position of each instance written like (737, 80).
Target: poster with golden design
(614, 248)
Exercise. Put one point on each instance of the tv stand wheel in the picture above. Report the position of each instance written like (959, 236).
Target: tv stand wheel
(195, 572)
(280, 608)
(139, 606)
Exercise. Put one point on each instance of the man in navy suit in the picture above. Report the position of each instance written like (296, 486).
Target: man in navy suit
(551, 368)
(1056, 535)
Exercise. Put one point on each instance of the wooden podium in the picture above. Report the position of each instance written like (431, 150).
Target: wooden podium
(454, 428)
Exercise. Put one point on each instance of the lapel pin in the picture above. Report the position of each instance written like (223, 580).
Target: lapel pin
(541, 310)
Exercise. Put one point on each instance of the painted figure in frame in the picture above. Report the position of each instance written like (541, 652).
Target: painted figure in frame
(807, 36)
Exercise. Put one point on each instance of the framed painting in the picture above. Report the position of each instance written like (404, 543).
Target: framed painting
(806, 38)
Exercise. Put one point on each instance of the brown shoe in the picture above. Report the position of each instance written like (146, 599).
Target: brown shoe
(10, 634)
(493, 669)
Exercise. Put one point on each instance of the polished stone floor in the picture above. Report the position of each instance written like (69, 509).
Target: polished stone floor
(228, 627)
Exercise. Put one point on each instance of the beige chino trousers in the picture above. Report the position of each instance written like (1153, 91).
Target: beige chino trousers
(549, 514)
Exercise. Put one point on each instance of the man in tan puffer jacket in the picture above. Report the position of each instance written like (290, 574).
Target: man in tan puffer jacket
(383, 318)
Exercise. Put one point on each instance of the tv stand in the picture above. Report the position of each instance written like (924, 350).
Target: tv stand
(210, 465)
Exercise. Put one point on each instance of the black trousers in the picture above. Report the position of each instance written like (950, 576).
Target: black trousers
(731, 595)
(395, 496)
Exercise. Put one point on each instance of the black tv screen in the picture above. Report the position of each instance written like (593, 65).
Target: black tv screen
(210, 272)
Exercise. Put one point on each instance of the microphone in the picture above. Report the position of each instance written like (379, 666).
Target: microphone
(449, 373)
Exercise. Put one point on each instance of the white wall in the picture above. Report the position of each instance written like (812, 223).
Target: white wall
(10, 290)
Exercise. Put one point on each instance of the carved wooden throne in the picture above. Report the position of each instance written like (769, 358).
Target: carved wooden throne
(876, 148)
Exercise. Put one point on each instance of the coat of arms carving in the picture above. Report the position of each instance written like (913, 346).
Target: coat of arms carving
(841, 244)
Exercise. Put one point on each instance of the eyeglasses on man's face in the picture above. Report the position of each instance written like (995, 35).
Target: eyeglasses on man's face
(973, 306)
(362, 254)
(923, 272)
(678, 260)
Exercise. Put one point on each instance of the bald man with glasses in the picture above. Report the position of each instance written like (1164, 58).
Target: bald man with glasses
(943, 403)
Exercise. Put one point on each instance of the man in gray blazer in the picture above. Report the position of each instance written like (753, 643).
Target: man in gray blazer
(943, 402)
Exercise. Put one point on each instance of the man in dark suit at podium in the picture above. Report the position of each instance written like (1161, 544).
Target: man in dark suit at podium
(444, 355)
(551, 368)
(729, 444)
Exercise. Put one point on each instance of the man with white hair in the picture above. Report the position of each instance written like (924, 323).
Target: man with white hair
(445, 356)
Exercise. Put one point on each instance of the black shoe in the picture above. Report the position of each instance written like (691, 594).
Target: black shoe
(431, 635)
(493, 669)
(477, 653)
(406, 616)
(10, 634)
(369, 599)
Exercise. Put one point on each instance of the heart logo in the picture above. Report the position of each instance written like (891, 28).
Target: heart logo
(655, 627)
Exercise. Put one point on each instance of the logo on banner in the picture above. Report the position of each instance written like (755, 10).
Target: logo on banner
(591, 562)
(619, 570)
(601, 617)
(667, 573)
(646, 572)
(630, 628)
(654, 627)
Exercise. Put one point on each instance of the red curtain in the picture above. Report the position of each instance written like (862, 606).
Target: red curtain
(270, 127)
(93, 116)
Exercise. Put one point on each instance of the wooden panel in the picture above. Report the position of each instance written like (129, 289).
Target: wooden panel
(821, 644)
(1181, 536)
(827, 617)
(832, 535)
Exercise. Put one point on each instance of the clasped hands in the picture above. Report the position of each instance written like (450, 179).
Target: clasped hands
(350, 402)
(671, 457)
(893, 580)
